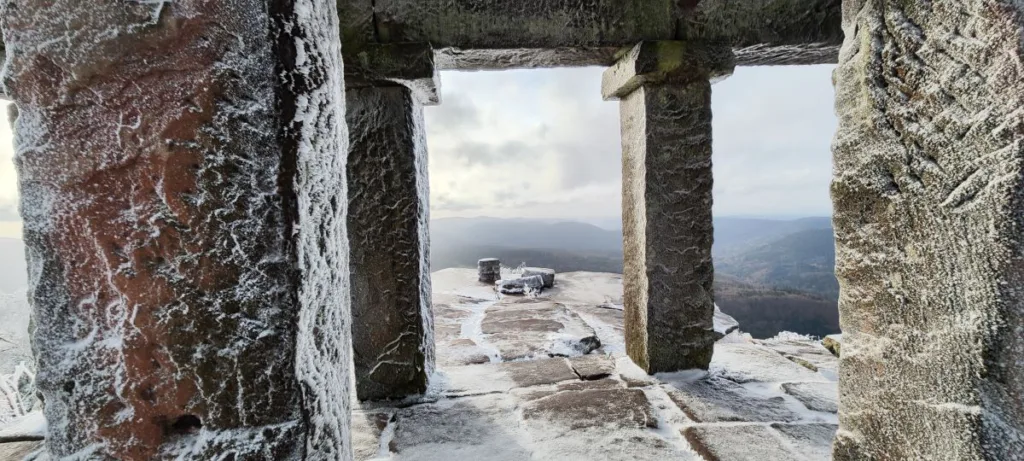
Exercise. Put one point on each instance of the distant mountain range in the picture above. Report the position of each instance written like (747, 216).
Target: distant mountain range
(772, 275)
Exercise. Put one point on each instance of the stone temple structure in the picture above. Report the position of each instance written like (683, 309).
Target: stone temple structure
(208, 227)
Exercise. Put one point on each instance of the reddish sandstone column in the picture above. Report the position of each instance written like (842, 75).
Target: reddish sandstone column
(182, 172)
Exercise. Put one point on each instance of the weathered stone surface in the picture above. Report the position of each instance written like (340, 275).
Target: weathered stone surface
(452, 58)
(489, 270)
(594, 408)
(520, 286)
(813, 440)
(716, 400)
(769, 24)
(744, 363)
(525, 328)
(407, 64)
(593, 366)
(367, 429)
(927, 194)
(182, 179)
(481, 24)
(547, 275)
(815, 396)
(472, 427)
(666, 62)
(537, 372)
(388, 195)
(738, 443)
(27, 451)
(833, 343)
(667, 229)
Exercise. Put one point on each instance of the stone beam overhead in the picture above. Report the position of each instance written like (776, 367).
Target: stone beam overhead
(665, 93)
(670, 62)
(502, 24)
(407, 64)
(496, 34)
(182, 185)
(392, 322)
(928, 200)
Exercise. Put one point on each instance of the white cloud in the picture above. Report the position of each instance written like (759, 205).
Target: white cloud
(543, 144)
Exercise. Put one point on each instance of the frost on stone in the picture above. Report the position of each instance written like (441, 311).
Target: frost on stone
(927, 192)
(183, 248)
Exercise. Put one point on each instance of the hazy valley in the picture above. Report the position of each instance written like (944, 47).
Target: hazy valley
(771, 275)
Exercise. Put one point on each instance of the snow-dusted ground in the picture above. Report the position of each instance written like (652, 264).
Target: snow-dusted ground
(512, 384)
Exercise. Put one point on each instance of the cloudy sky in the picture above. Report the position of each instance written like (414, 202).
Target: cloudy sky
(542, 144)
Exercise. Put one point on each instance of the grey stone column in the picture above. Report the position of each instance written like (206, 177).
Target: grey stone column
(928, 199)
(665, 91)
(392, 322)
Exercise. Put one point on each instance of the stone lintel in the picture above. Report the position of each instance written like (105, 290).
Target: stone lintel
(665, 62)
(407, 64)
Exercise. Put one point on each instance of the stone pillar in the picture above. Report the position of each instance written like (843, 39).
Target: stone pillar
(488, 270)
(182, 188)
(928, 199)
(393, 340)
(665, 91)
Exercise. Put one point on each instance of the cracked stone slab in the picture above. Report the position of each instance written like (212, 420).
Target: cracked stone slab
(815, 396)
(715, 400)
(813, 440)
(591, 408)
(534, 393)
(593, 366)
(739, 443)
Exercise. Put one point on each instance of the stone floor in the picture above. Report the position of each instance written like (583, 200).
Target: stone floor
(546, 378)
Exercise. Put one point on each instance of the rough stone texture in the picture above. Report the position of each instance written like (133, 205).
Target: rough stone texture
(719, 400)
(451, 58)
(604, 408)
(667, 229)
(834, 344)
(592, 366)
(928, 193)
(485, 24)
(388, 195)
(739, 443)
(814, 441)
(815, 396)
(547, 275)
(521, 328)
(489, 270)
(666, 62)
(25, 451)
(769, 23)
(407, 64)
(182, 181)
(531, 285)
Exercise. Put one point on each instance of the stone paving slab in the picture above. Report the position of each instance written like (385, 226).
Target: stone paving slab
(745, 363)
(813, 440)
(526, 328)
(815, 396)
(593, 408)
(715, 400)
(367, 427)
(739, 443)
(484, 427)
(593, 366)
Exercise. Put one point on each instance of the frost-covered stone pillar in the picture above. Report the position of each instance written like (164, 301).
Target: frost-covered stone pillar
(665, 90)
(928, 201)
(393, 341)
(182, 169)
